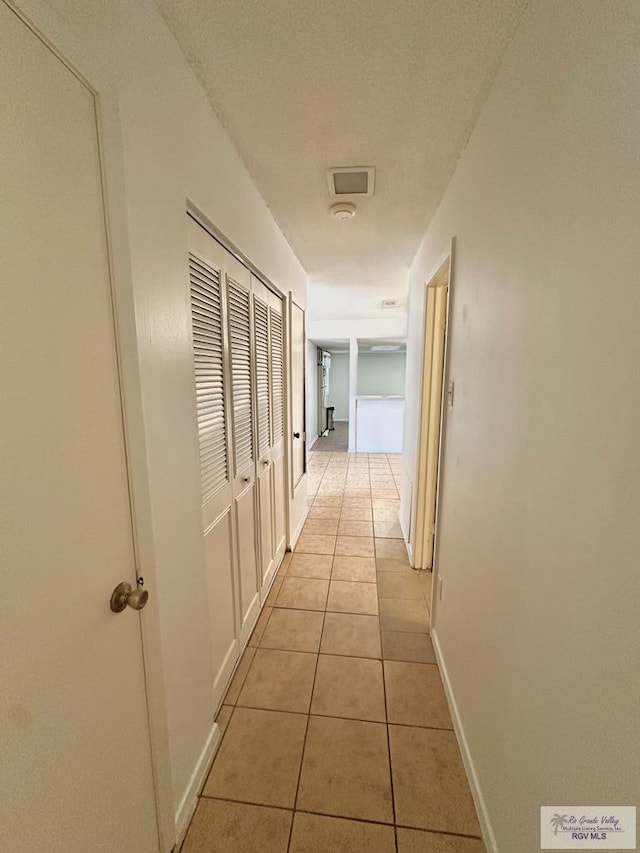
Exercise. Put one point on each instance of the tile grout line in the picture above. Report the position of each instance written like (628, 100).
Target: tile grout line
(433, 831)
(306, 731)
(386, 713)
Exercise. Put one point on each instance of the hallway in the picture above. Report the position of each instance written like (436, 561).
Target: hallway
(337, 735)
(336, 441)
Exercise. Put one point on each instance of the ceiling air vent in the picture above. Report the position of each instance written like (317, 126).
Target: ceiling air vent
(351, 180)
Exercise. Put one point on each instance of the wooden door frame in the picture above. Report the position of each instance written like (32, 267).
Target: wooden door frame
(445, 263)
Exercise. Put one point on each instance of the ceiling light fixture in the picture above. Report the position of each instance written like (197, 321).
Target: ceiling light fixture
(343, 210)
(385, 348)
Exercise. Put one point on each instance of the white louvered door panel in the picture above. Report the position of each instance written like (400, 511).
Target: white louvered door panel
(242, 394)
(261, 352)
(208, 355)
(278, 402)
(240, 348)
(264, 473)
(276, 318)
(206, 276)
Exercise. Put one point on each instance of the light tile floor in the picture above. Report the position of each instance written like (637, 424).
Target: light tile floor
(336, 731)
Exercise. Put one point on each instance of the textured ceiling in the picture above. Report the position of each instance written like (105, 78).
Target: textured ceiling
(303, 85)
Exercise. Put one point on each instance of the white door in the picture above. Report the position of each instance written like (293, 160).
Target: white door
(240, 331)
(261, 296)
(74, 741)
(206, 276)
(278, 420)
(298, 349)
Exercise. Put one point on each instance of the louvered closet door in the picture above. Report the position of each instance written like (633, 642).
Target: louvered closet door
(206, 277)
(244, 439)
(277, 417)
(264, 475)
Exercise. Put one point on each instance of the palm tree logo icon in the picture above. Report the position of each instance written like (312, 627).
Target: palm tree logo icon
(557, 822)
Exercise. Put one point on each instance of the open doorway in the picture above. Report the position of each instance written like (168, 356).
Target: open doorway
(332, 389)
(379, 402)
(433, 373)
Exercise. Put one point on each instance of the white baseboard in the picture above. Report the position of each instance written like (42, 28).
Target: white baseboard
(312, 442)
(467, 760)
(296, 533)
(190, 800)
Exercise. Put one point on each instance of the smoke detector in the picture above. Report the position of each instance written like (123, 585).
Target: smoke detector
(343, 210)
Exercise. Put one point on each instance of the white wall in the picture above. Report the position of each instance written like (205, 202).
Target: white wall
(539, 533)
(339, 385)
(163, 146)
(381, 372)
(349, 327)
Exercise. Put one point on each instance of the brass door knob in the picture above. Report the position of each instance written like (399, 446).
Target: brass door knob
(125, 596)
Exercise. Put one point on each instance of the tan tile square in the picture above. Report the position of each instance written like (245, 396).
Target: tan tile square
(223, 827)
(357, 493)
(351, 634)
(355, 546)
(311, 566)
(354, 569)
(386, 503)
(390, 515)
(222, 718)
(381, 493)
(319, 834)
(430, 787)
(261, 623)
(338, 756)
(404, 614)
(417, 841)
(293, 630)
(401, 645)
(274, 590)
(400, 585)
(356, 513)
(303, 593)
(279, 681)
(348, 527)
(385, 482)
(353, 597)
(328, 500)
(320, 526)
(259, 758)
(415, 696)
(384, 565)
(391, 549)
(356, 503)
(316, 544)
(233, 691)
(349, 687)
(388, 530)
(329, 512)
(284, 565)
(426, 581)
